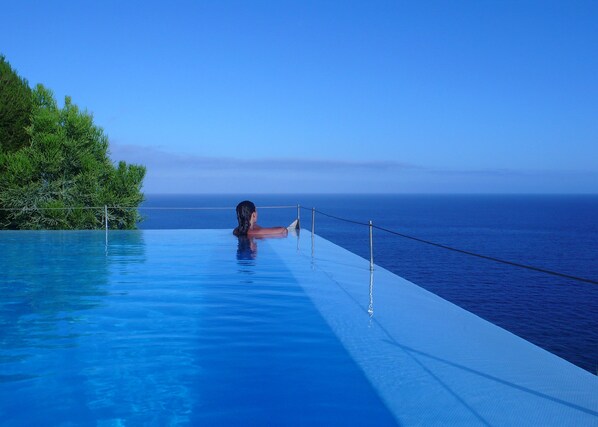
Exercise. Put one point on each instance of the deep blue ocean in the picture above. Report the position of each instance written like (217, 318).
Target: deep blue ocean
(554, 232)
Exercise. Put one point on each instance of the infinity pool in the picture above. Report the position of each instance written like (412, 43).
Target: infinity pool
(194, 327)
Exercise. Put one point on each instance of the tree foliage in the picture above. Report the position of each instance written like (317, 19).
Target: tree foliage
(15, 108)
(59, 179)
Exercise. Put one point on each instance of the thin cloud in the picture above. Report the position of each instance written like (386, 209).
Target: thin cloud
(162, 159)
(501, 172)
(174, 172)
(481, 172)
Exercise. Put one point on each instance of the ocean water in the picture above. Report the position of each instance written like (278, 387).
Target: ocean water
(555, 232)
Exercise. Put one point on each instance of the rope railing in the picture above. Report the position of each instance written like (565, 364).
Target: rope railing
(35, 208)
(104, 209)
(207, 208)
(196, 208)
(370, 225)
(339, 218)
(446, 247)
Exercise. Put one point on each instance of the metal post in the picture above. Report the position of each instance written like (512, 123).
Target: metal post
(313, 229)
(371, 247)
(299, 215)
(106, 222)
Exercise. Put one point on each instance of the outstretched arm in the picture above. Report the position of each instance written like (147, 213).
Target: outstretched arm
(258, 231)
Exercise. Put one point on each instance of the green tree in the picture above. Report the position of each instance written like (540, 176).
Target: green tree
(15, 108)
(54, 182)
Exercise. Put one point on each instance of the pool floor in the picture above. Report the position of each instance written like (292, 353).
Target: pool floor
(194, 327)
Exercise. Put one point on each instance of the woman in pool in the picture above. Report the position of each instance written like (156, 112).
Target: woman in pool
(248, 226)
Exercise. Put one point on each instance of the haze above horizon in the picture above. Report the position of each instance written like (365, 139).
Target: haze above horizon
(304, 97)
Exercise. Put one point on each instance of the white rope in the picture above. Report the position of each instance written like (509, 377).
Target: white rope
(204, 208)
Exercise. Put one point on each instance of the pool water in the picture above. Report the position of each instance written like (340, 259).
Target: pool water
(195, 327)
(166, 328)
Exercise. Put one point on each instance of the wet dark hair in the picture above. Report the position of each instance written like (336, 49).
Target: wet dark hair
(244, 211)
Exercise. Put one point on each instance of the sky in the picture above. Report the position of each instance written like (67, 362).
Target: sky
(326, 96)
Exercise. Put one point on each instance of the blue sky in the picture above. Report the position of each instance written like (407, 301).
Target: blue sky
(324, 96)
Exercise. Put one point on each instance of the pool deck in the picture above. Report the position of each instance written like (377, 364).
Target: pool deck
(431, 361)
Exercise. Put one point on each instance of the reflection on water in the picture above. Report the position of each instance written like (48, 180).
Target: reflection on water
(46, 281)
(246, 248)
(246, 255)
(155, 329)
(71, 345)
(371, 304)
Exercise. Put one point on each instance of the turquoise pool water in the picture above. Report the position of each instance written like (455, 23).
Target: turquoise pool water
(166, 328)
(193, 327)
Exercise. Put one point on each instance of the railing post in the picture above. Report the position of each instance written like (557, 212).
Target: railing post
(313, 230)
(371, 247)
(106, 223)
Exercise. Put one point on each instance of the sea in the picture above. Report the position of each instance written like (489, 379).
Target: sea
(552, 232)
